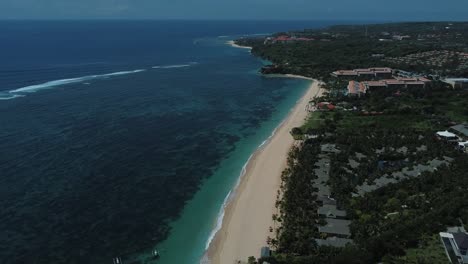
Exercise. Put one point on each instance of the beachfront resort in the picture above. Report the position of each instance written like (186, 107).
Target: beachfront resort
(377, 172)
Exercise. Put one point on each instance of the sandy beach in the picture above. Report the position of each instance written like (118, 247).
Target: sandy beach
(248, 215)
(287, 76)
(233, 44)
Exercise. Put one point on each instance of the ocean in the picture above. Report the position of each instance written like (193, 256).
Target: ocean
(121, 137)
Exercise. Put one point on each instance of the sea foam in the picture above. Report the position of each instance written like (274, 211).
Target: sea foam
(7, 96)
(175, 66)
(219, 221)
(20, 92)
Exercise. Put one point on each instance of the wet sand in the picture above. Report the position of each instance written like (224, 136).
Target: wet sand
(248, 215)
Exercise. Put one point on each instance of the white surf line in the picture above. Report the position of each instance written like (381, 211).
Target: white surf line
(232, 192)
(20, 92)
(175, 66)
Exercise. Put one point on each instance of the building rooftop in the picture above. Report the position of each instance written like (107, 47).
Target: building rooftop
(331, 211)
(391, 81)
(446, 134)
(366, 72)
(422, 79)
(334, 242)
(461, 239)
(375, 83)
(415, 83)
(356, 87)
(461, 128)
(336, 226)
(356, 72)
(456, 229)
(413, 79)
(382, 69)
(326, 200)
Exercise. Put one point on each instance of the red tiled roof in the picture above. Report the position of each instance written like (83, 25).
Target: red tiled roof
(323, 105)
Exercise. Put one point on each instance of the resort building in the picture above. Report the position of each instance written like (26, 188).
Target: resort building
(356, 88)
(414, 79)
(455, 242)
(346, 74)
(360, 88)
(365, 73)
(370, 73)
(383, 73)
(370, 85)
(409, 82)
(393, 83)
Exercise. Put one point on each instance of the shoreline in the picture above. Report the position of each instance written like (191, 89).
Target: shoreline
(245, 218)
(232, 43)
(289, 76)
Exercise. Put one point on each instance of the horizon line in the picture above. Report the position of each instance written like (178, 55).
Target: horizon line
(234, 20)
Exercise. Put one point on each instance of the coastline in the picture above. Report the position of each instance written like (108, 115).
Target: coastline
(247, 215)
(233, 44)
(288, 76)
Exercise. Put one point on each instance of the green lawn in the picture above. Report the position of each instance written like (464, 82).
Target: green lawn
(430, 251)
(385, 121)
(315, 120)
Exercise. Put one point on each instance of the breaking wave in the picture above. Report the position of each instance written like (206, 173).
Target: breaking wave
(175, 66)
(20, 92)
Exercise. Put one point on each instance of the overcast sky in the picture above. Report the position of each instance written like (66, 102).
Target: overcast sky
(236, 9)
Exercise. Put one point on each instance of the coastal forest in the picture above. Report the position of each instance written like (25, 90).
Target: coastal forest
(377, 156)
(317, 53)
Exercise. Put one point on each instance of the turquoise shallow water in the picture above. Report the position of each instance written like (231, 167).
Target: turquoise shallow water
(202, 216)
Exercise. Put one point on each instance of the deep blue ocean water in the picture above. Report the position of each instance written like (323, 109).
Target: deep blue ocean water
(117, 137)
